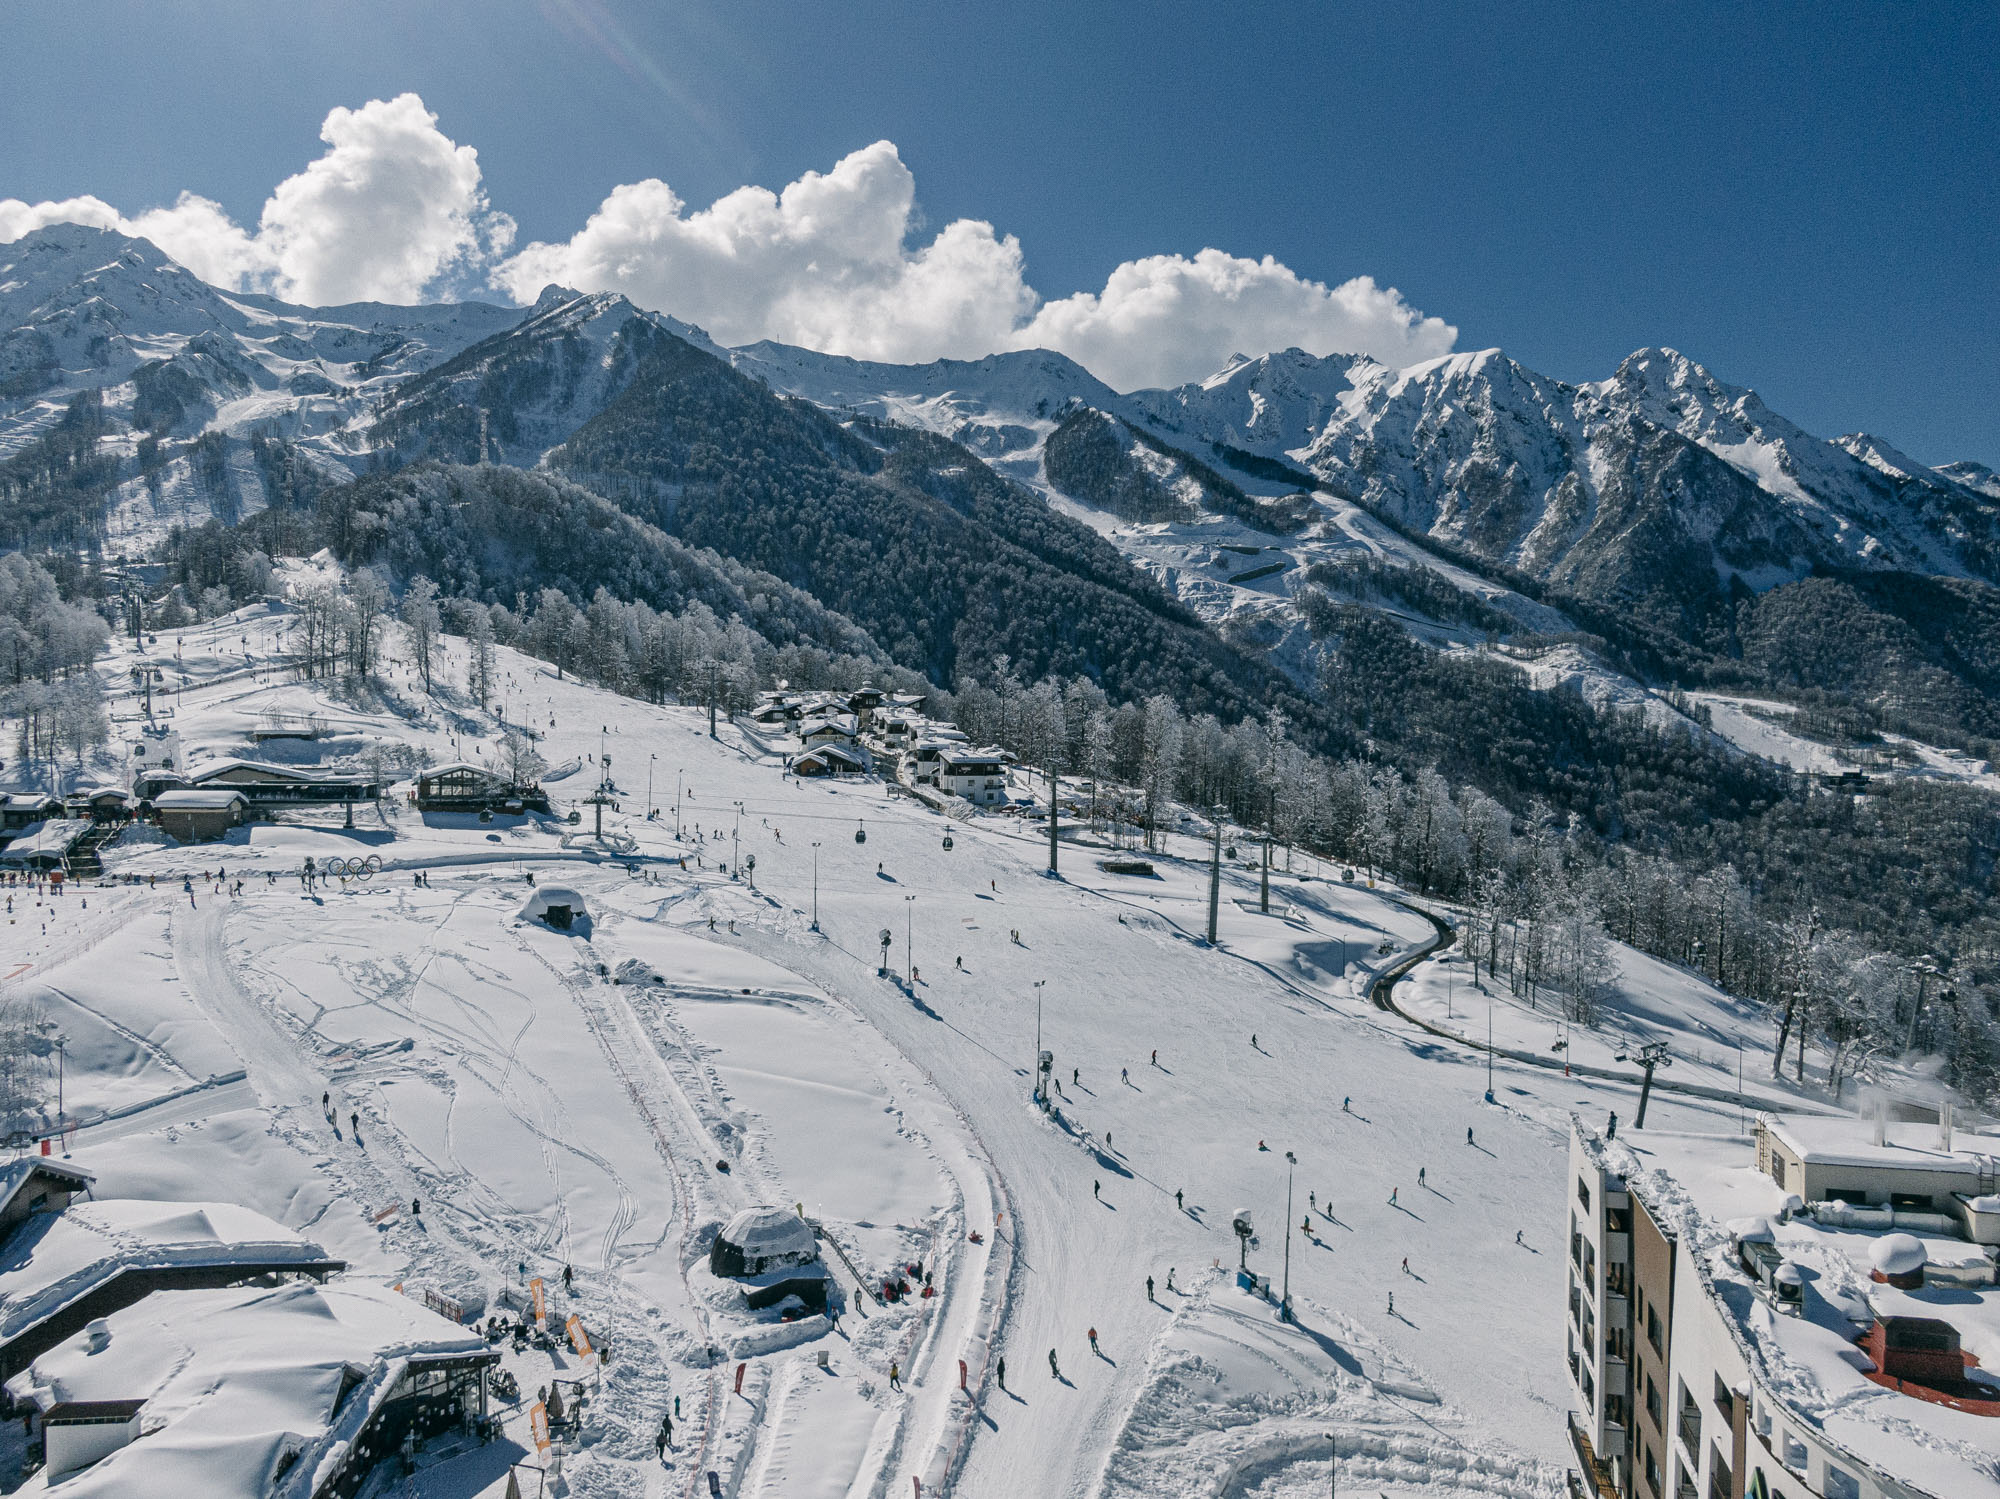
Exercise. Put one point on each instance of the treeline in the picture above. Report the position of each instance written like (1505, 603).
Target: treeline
(47, 644)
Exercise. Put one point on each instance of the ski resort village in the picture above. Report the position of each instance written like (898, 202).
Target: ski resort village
(460, 1080)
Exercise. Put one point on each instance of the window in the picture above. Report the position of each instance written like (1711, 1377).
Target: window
(1615, 1413)
(1652, 1471)
(1618, 1220)
(1615, 1280)
(1721, 1482)
(1653, 1334)
(1725, 1400)
(1792, 1453)
(1841, 1485)
(1911, 1202)
(1616, 1344)
(1777, 1168)
(1690, 1420)
(1653, 1404)
(1583, 1193)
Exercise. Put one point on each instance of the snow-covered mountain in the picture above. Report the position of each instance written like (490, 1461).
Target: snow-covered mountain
(85, 308)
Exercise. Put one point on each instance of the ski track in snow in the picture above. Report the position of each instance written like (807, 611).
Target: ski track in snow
(546, 1114)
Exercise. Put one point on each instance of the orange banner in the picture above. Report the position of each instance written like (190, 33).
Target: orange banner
(541, 1306)
(538, 1421)
(578, 1338)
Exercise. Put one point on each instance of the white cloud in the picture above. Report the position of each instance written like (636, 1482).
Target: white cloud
(390, 208)
(833, 262)
(827, 264)
(822, 264)
(1167, 319)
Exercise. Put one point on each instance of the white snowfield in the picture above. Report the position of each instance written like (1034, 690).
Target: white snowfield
(505, 1099)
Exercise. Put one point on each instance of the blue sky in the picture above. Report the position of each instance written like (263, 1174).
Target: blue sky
(1805, 198)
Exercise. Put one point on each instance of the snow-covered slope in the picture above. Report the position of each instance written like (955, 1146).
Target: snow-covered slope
(87, 308)
(563, 1100)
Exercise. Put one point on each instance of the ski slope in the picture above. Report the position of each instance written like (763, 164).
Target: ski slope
(545, 1115)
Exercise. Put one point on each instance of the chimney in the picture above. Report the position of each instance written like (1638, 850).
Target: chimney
(1944, 1126)
(1881, 1119)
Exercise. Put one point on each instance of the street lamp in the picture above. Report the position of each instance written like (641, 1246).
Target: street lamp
(1215, 877)
(909, 946)
(815, 925)
(1285, 1301)
(1041, 1057)
(650, 759)
(736, 843)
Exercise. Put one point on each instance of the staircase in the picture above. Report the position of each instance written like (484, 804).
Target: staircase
(82, 862)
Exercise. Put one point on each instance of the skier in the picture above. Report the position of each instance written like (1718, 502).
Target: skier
(664, 1438)
(1253, 1042)
(1420, 1175)
(326, 1103)
(1517, 1236)
(1093, 1340)
(958, 964)
(1124, 1077)
(1096, 1190)
(567, 1277)
(1170, 1277)
(1156, 1056)
(1344, 1105)
(1392, 1195)
(1406, 1264)
(1311, 1202)
(895, 1377)
(1003, 1371)
(1054, 1372)
(1392, 1303)
(1177, 1200)
(1149, 1288)
(355, 1120)
(1468, 1134)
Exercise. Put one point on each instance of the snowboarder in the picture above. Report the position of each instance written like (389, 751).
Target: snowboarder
(1054, 1372)
(1149, 1288)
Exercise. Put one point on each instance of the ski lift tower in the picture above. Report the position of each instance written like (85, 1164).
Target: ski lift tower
(1653, 1054)
(601, 797)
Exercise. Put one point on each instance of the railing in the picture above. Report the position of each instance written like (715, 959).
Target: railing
(1596, 1475)
(1690, 1426)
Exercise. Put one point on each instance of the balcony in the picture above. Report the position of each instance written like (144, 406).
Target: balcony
(1690, 1429)
(1596, 1474)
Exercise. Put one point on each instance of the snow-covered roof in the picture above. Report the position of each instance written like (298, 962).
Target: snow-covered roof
(828, 753)
(235, 1381)
(198, 801)
(766, 1233)
(1848, 1141)
(456, 765)
(50, 839)
(15, 801)
(988, 756)
(1697, 1184)
(208, 770)
(536, 906)
(53, 1258)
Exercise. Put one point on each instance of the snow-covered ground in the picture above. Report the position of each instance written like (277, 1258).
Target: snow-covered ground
(545, 1115)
